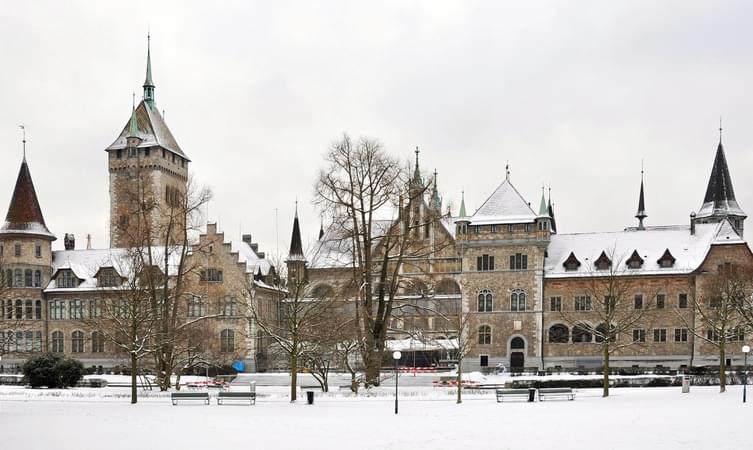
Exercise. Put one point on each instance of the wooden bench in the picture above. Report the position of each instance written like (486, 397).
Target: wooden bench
(180, 396)
(556, 393)
(502, 393)
(236, 396)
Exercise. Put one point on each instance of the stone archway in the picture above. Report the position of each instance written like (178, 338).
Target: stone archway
(517, 351)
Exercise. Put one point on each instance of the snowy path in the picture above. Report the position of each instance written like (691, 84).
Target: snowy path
(661, 418)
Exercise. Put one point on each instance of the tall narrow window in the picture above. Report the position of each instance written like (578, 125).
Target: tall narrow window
(518, 300)
(660, 301)
(38, 278)
(485, 335)
(57, 342)
(484, 262)
(485, 301)
(227, 341)
(77, 342)
(28, 278)
(682, 301)
(28, 309)
(98, 342)
(38, 310)
(76, 309)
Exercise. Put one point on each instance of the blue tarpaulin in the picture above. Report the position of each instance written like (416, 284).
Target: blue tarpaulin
(239, 366)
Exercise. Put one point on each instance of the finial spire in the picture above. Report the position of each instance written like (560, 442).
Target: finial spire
(641, 214)
(543, 209)
(133, 128)
(23, 131)
(462, 204)
(720, 130)
(148, 83)
(507, 171)
(436, 201)
(550, 210)
(416, 181)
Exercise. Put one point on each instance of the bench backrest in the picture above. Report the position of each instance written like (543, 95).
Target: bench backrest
(512, 391)
(190, 394)
(556, 390)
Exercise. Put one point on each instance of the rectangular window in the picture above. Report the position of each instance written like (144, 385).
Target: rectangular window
(660, 335)
(511, 228)
(583, 303)
(76, 309)
(518, 261)
(681, 335)
(638, 301)
(484, 361)
(2, 249)
(228, 306)
(528, 227)
(17, 250)
(484, 263)
(57, 310)
(660, 301)
(682, 301)
(95, 309)
(639, 335)
(195, 307)
(555, 303)
(38, 251)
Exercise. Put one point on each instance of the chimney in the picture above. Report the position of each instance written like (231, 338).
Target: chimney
(69, 241)
(692, 223)
(88, 241)
(246, 238)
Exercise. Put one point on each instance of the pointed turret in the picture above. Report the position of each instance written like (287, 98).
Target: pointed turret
(24, 213)
(543, 219)
(296, 247)
(436, 201)
(641, 214)
(462, 212)
(461, 223)
(133, 139)
(416, 182)
(148, 83)
(551, 212)
(543, 210)
(296, 261)
(719, 203)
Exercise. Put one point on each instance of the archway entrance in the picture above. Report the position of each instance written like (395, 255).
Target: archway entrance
(517, 354)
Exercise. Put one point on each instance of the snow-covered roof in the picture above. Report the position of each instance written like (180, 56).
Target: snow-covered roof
(152, 129)
(335, 249)
(689, 250)
(505, 205)
(247, 255)
(85, 265)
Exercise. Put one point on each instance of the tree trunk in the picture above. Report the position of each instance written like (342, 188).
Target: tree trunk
(293, 375)
(722, 367)
(373, 367)
(459, 381)
(134, 370)
(605, 367)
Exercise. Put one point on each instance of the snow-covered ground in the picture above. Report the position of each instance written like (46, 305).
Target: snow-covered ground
(632, 418)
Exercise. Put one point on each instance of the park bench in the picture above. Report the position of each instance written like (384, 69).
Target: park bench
(502, 393)
(236, 396)
(556, 393)
(180, 396)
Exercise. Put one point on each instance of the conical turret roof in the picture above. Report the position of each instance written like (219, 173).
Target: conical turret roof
(296, 246)
(24, 213)
(720, 196)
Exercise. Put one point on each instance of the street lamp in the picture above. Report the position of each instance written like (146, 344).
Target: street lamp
(396, 356)
(746, 350)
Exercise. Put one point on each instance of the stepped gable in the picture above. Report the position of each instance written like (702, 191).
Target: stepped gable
(152, 130)
(24, 213)
(505, 205)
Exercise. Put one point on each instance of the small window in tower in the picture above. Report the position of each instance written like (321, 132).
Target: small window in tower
(164, 154)
(38, 251)
(133, 152)
(17, 250)
(119, 154)
(173, 157)
(1, 250)
(123, 221)
(146, 151)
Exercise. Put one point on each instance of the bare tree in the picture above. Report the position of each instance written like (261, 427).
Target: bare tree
(360, 184)
(720, 303)
(606, 297)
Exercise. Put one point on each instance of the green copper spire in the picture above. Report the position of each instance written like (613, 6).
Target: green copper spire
(543, 209)
(462, 205)
(148, 84)
(133, 127)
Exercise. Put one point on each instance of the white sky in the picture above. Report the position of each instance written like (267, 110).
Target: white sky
(573, 94)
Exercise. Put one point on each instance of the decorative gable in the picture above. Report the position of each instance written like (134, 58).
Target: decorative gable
(603, 262)
(571, 263)
(635, 261)
(666, 260)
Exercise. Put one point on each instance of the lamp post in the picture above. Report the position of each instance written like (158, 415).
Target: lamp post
(396, 356)
(746, 350)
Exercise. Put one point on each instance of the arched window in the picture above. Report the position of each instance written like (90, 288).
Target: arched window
(19, 309)
(602, 333)
(517, 343)
(322, 290)
(227, 341)
(9, 309)
(416, 287)
(447, 287)
(484, 335)
(98, 342)
(28, 309)
(38, 341)
(38, 278)
(485, 300)
(582, 333)
(77, 342)
(19, 280)
(9, 278)
(38, 310)
(28, 278)
(57, 342)
(518, 300)
(559, 334)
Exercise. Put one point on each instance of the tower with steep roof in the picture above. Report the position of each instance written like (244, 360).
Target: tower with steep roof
(296, 260)
(148, 177)
(719, 203)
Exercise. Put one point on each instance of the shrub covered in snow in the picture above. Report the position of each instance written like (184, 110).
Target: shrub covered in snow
(52, 371)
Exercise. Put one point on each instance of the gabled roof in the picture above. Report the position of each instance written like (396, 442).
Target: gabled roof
(689, 250)
(24, 213)
(720, 195)
(505, 205)
(152, 129)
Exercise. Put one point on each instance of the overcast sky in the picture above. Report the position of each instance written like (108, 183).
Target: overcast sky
(572, 94)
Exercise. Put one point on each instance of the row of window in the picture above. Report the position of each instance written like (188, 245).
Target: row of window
(134, 152)
(518, 261)
(21, 341)
(511, 228)
(21, 309)
(78, 344)
(19, 278)
(197, 306)
(584, 303)
(486, 300)
(17, 250)
(561, 334)
(603, 262)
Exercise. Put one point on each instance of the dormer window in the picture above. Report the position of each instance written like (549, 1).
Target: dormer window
(66, 279)
(571, 263)
(603, 262)
(666, 260)
(635, 261)
(108, 278)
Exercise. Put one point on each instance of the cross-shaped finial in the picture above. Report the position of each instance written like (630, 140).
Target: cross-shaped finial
(23, 131)
(720, 128)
